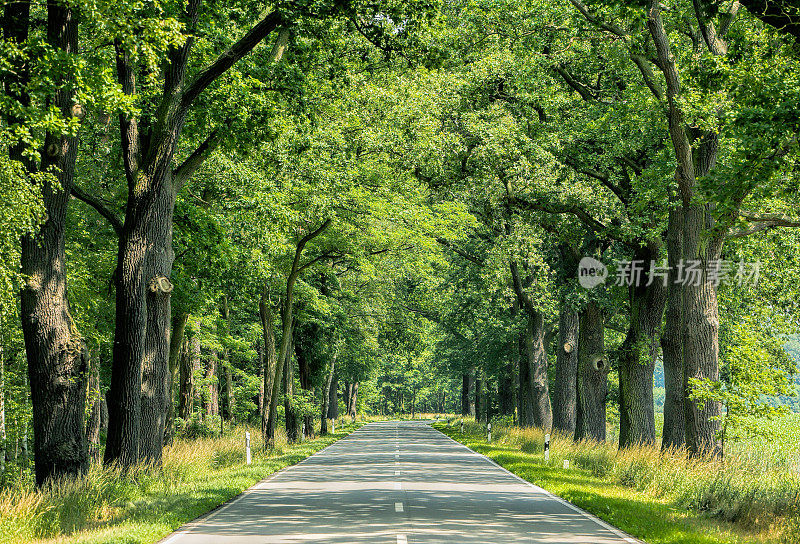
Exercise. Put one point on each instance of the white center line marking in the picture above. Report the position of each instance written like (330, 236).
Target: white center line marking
(401, 539)
(398, 486)
(398, 507)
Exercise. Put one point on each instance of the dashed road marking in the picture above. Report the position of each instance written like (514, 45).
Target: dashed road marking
(398, 486)
(398, 507)
(401, 539)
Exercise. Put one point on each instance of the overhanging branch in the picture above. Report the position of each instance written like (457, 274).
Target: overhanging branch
(230, 57)
(99, 206)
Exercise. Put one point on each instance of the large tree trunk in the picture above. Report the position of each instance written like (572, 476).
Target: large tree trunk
(696, 154)
(333, 401)
(211, 396)
(479, 397)
(278, 381)
(225, 361)
(95, 409)
(287, 328)
(524, 378)
(536, 409)
(175, 345)
(145, 245)
(700, 334)
(260, 375)
(352, 401)
(292, 421)
(537, 394)
(638, 355)
(467, 408)
(190, 363)
(138, 392)
(674, 433)
(326, 399)
(269, 357)
(505, 391)
(565, 386)
(57, 365)
(593, 370)
(304, 375)
(2, 411)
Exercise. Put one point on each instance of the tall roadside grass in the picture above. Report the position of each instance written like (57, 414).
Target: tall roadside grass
(753, 488)
(146, 503)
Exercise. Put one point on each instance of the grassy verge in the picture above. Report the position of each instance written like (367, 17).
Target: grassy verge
(661, 499)
(147, 504)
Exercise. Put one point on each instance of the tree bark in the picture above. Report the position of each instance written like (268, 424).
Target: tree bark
(326, 398)
(534, 386)
(565, 394)
(638, 355)
(700, 336)
(2, 413)
(190, 362)
(505, 391)
(145, 244)
(211, 396)
(176, 342)
(287, 327)
(260, 351)
(695, 156)
(268, 354)
(304, 375)
(225, 361)
(352, 406)
(479, 397)
(524, 378)
(536, 360)
(292, 421)
(57, 366)
(593, 370)
(467, 407)
(674, 433)
(95, 399)
(333, 401)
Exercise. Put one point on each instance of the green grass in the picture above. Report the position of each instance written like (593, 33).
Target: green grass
(147, 504)
(661, 499)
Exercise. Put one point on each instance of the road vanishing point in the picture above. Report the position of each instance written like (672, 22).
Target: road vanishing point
(397, 482)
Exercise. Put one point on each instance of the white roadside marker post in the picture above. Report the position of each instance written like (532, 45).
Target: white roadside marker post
(566, 464)
(333, 426)
(547, 448)
(462, 426)
(248, 458)
(488, 432)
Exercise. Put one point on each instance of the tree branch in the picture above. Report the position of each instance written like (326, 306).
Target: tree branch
(195, 160)
(584, 90)
(99, 206)
(765, 222)
(649, 76)
(782, 15)
(609, 27)
(559, 209)
(230, 57)
(452, 247)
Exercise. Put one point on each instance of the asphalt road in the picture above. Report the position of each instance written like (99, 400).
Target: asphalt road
(396, 483)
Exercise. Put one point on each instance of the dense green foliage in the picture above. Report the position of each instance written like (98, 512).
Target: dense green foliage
(383, 205)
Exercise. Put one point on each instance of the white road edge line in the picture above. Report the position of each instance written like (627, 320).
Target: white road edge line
(624, 536)
(184, 529)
